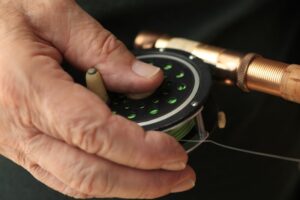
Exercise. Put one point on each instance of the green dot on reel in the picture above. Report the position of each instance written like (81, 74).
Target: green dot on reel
(180, 75)
(156, 101)
(181, 87)
(168, 67)
(131, 116)
(142, 106)
(154, 111)
(172, 100)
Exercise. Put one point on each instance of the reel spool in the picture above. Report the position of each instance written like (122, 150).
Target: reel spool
(182, 106)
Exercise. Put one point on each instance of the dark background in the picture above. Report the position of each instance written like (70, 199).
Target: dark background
(255, 121)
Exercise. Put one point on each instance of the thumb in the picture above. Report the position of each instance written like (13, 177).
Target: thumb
(85, 43)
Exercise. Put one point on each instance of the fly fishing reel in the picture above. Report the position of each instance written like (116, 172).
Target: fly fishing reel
(182, 106)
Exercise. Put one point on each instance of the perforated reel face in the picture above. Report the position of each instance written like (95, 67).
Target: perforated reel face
(174, 106)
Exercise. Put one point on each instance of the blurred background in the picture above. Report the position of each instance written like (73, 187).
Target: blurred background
(255, 121)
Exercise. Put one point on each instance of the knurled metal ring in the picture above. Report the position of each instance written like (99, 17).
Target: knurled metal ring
(243, 69)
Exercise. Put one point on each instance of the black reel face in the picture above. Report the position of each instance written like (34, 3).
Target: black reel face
(176, 106)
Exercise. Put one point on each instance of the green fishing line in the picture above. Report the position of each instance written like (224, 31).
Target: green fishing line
(182, 131)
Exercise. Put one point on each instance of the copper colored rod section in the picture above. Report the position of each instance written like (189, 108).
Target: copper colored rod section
(247, 71)
(265, 75)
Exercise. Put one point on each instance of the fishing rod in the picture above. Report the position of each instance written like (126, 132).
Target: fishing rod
(249, 71)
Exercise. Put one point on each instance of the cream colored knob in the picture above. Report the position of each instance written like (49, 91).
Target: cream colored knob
(95, 83)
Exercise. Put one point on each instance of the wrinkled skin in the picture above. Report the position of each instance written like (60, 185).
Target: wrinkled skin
(64, 135)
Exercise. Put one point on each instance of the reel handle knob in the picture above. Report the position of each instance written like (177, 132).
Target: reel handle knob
(95, 83)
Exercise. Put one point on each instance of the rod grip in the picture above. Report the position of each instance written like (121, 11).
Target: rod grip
(290, 84)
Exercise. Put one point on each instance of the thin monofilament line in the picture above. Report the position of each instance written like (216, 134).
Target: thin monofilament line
(290, 159)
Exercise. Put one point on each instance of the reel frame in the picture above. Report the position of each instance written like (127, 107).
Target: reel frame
(182, 106)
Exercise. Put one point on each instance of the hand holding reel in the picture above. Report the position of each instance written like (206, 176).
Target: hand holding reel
(194, 114)
(182, 106)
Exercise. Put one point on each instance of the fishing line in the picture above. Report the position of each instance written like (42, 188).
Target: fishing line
(257, 153)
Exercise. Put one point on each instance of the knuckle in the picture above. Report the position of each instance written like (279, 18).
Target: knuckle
(38, 172)
(34, 168)
(114, 126)
(94, 182)
(101, 43)
(86, 183)
(90, 136)
(110, 44)
(89, 140)
(31, 145)
(107, 135)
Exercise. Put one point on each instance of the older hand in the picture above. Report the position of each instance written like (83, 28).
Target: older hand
(60, 132)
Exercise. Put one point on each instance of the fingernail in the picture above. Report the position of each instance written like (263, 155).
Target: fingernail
(183, 186)
(175, 166)
(144, 69)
